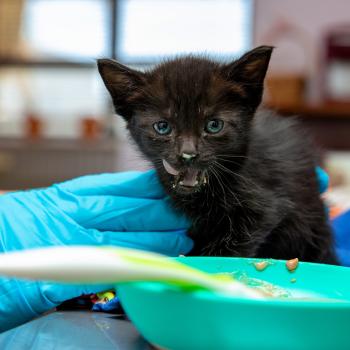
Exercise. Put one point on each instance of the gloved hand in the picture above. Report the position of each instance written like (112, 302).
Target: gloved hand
(323, 179)
(126, 209)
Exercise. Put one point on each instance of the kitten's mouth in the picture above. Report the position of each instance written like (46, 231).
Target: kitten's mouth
(188, 179)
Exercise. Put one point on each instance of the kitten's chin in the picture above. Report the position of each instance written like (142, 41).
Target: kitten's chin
(185, 181)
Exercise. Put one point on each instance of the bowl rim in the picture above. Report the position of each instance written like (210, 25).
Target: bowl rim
(160, 288)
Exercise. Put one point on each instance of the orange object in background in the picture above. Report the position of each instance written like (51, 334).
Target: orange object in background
(91, 128)
(285, 90)
(33, 126)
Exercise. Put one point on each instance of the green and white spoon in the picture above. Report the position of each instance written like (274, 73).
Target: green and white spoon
(96, 265)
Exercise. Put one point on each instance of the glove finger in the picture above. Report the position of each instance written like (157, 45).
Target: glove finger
(126, 184)
(94, 209)
(171, 243)
(323, 179)
(17, 298)
(23, 300)
(128, 214)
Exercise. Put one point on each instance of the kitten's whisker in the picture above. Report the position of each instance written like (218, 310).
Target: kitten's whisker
(228, 161)
(229, 171)
(226, 189)
(222, 186)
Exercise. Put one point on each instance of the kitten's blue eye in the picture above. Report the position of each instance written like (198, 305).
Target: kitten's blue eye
(214, 126)
(162, 127)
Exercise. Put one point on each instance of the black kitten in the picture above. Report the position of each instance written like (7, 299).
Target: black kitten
(245, 178)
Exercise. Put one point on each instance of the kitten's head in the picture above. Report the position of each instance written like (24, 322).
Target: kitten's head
(189, 114)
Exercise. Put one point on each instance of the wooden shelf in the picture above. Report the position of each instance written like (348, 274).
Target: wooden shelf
(328, 123)
(58, 144)
(28, 163)
(324, 111)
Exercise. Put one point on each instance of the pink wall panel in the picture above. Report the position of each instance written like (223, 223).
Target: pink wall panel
(298, 50)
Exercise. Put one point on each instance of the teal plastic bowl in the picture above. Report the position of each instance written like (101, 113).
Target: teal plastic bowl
(172, 319)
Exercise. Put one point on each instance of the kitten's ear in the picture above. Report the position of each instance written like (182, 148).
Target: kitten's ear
(123, 83)
(249, 72)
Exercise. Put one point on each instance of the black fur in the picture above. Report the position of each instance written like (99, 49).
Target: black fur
(262, 198)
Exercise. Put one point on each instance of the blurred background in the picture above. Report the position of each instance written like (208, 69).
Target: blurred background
(56, 119)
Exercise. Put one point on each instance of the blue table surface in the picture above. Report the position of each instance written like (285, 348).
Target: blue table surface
(73, 330)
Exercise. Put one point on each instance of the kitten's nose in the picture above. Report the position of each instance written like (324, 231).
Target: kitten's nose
(187, 157)
(187, 149)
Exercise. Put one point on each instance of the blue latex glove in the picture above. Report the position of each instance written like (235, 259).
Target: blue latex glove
(340, 225)
(341, 230)
(125, 209)
(323, 179)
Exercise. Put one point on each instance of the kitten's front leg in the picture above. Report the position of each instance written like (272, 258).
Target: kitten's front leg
(239, 233)
(231, 244)
(229, 247)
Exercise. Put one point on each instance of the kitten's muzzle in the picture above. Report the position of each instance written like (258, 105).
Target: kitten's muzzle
(186, 179)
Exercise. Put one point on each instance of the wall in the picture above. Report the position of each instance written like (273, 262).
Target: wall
(301, 51)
